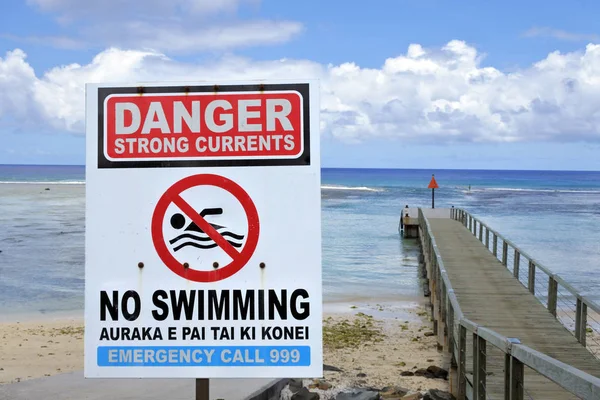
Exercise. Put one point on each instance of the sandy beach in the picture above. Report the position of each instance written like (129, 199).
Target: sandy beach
(41, 348)
(372, 345)
(32, 349)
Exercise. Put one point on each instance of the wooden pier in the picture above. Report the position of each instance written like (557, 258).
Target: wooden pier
(501, 314)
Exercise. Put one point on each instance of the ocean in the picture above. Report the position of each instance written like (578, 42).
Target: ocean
(552, 215)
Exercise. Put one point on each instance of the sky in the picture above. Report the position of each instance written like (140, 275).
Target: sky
(403, 83)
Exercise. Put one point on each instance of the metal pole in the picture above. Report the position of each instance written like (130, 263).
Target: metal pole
(432, 198)
(202, 389)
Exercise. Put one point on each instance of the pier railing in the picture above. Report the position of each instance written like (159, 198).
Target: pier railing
(579, 314)
(449, 319)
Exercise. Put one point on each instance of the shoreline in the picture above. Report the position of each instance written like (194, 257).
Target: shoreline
(38, 317)
(339, 305)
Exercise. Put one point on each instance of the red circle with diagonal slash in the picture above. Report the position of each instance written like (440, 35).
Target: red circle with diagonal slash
(173, 195)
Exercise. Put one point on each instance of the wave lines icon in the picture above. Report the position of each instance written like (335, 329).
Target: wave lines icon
(196, 237)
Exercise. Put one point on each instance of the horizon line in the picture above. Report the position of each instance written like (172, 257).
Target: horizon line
(355, 168)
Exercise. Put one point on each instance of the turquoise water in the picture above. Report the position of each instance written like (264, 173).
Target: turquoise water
(554, 216)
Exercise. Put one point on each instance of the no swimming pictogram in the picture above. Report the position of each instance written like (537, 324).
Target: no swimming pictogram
(199, 235)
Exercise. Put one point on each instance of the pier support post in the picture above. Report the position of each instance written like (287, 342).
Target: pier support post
(513, 378)
(443, 338)
(462, 362)
(507, 376)
(581, 322)
(487, 238)
(450, 322)
(495, 245)
(516, 264)
(531, 280)
(433, 287)
(578, 320)
(552, 295)
(475, 367)
(479, 368)
(481, 232)
(504, 253)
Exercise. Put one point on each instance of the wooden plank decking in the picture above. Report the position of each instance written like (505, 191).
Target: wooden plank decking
(490, 296)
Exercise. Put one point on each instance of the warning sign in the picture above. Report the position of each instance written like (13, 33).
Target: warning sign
(203, 231)
(433, 183)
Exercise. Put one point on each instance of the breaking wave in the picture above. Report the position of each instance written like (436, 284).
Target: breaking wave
(43, 182)
(356, 188)
(501, 189)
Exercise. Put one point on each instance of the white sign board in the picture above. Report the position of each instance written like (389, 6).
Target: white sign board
(203, 230)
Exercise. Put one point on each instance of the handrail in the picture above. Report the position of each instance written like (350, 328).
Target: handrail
(572, 379)
(518, 355)
(554, 279)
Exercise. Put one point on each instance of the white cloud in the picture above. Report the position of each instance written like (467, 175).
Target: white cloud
(425, 95)
(177, 38)
(171, 27)
(561, 34)
(17, 86)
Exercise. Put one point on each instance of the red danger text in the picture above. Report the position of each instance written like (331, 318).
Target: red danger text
(203, 125)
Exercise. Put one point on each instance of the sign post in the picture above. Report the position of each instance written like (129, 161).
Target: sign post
(203, 231)
(432, 185)
(202, 389)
